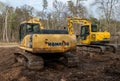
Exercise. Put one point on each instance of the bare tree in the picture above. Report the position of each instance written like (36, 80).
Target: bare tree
(5, 34)
(77, 9)
(45, 4)
(107, 8)
(58, 14)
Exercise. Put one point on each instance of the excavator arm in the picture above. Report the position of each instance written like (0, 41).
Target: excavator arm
(76, 20)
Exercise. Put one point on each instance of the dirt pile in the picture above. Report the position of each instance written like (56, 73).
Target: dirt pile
(95, 68)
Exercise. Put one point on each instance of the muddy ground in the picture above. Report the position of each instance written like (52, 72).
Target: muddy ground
(92, 68)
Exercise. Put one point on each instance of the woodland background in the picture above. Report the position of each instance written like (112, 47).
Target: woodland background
(10, 17)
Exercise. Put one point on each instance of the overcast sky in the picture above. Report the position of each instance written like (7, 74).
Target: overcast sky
(37, 4)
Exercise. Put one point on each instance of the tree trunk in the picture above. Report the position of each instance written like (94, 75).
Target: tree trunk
(5, 30)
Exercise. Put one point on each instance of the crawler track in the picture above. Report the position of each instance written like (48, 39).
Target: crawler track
(71, 59)
(99, 49)
(33, 62)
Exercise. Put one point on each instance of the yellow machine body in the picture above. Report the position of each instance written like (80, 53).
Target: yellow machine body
(89, 33)
(100, 37)
(43, 41)
(48, 43)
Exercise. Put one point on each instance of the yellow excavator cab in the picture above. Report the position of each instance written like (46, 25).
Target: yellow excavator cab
(34, 20)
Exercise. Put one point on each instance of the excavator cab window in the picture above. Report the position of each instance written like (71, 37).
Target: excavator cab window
(94, 28)
(84, 32)
(32, 28)
(28, 28)
(22, 31)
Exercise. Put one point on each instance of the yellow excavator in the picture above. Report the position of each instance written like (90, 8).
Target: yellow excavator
(39, 45)
(90, 36)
